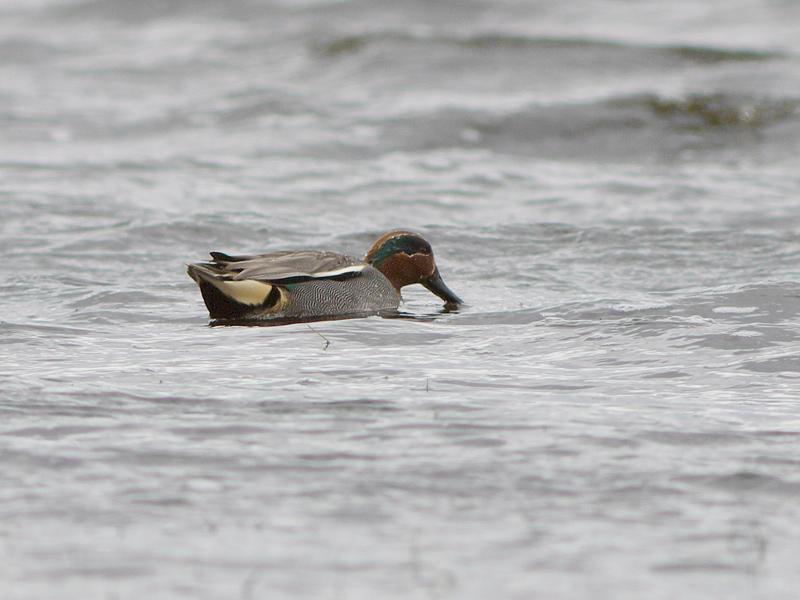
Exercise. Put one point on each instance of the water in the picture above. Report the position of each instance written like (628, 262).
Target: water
(613, 189)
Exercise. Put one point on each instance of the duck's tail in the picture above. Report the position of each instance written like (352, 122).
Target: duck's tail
(228, 298)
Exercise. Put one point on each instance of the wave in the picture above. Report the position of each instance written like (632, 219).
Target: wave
(721, 110)
(644, 126)
(352, 44)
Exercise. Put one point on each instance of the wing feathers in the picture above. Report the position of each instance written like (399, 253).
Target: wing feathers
(286, 267)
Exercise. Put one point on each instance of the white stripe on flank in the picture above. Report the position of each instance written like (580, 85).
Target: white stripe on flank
(247, 291)
(342, 271)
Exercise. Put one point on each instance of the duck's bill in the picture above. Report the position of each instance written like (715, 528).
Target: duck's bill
(435, 284)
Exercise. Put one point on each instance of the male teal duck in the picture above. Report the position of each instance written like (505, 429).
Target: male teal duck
(305, 284)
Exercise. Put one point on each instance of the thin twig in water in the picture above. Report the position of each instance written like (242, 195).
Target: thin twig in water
(327, 341)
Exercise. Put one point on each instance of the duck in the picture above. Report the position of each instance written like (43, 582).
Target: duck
(307, 285)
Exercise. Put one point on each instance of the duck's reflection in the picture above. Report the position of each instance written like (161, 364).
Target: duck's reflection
(396, 314)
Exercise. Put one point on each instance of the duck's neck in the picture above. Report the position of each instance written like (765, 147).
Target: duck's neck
(396, 270)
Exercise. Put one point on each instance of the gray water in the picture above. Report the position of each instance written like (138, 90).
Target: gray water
(614, 189)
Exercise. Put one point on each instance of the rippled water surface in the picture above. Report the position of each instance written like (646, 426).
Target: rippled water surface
(613, 188)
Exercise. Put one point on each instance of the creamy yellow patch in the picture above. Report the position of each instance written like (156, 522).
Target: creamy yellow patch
(246, 291)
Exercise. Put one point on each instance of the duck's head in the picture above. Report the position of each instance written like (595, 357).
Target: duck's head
(405, 258)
